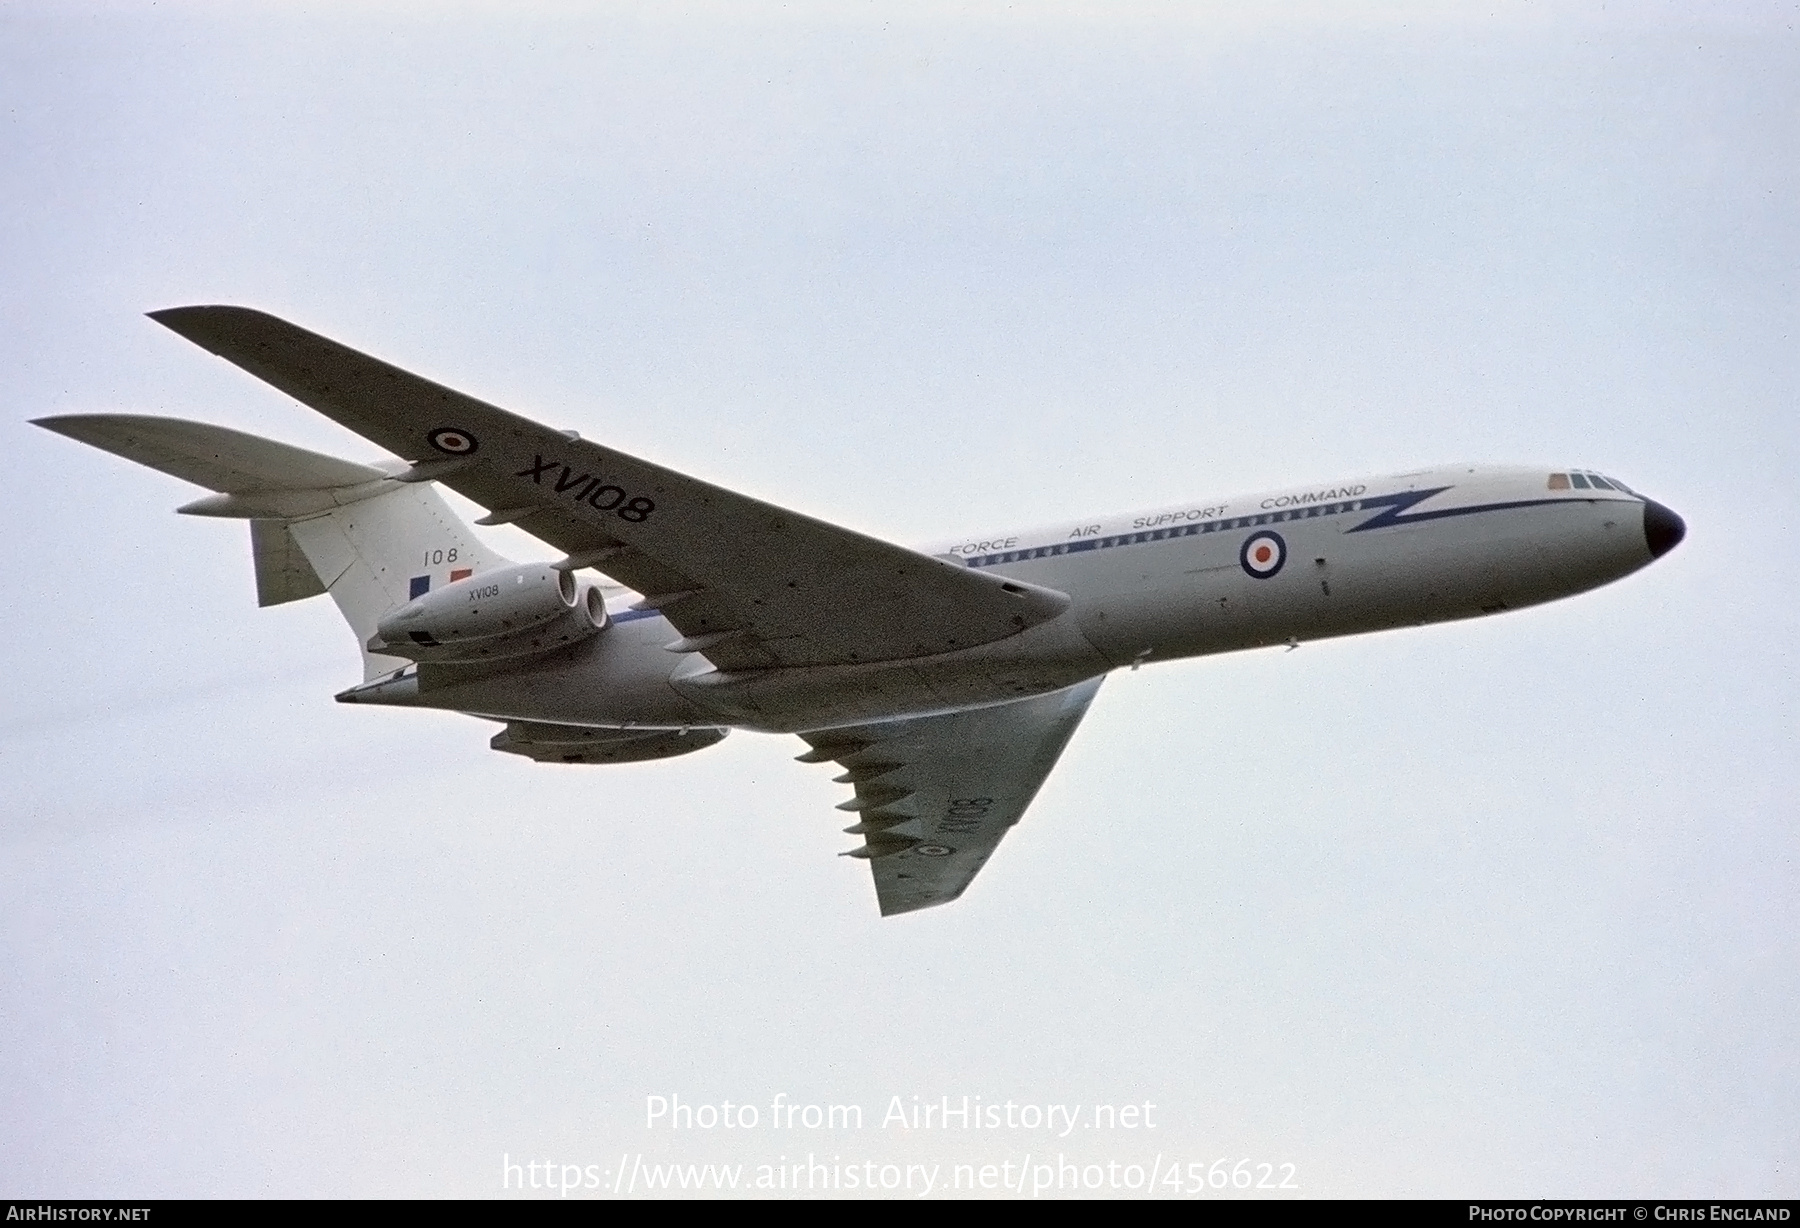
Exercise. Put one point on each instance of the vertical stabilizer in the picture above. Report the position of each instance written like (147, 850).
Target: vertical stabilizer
(283, 573)
(376, 555)
(317, 524)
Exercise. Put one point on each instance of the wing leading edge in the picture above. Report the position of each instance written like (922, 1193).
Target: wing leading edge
(935, 795)
(749, 584)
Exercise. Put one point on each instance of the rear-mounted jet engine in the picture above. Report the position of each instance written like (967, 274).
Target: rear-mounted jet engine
(508, 612)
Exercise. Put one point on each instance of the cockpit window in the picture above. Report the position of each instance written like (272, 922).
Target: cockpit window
(1587, 481)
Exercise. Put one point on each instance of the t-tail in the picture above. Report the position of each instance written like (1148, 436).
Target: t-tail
(375, 538)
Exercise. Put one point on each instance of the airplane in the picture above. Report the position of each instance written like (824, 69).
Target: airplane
(944, 681)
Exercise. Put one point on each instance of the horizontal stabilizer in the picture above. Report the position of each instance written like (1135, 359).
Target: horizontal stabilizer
(215, 457)
(317, 524)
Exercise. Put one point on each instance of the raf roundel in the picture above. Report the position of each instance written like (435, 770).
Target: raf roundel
(454, 440)
(1263, 554)
(933, 850)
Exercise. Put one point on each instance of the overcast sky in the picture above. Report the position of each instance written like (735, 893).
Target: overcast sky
(1505, 907)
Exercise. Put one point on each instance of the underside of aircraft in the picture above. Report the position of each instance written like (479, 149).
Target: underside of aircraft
(945, 682)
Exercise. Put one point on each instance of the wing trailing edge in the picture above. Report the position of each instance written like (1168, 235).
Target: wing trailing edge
(935, 795)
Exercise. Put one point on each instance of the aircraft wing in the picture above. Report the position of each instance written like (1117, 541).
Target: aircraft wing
(748, 584)
(935, 794)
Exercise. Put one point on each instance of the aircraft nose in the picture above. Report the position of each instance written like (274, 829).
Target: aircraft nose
(1663, 529)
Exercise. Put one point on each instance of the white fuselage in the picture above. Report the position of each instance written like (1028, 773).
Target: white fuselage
(1219, 575)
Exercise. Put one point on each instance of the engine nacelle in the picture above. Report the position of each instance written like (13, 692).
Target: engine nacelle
(573, 744)
(508, 612)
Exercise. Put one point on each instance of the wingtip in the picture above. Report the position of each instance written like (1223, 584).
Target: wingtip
(62, 424)
(162, 315)
(216, 327)
(898, 910)
(195, 318)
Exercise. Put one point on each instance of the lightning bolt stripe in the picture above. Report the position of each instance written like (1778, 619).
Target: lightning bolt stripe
(1391, 511)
